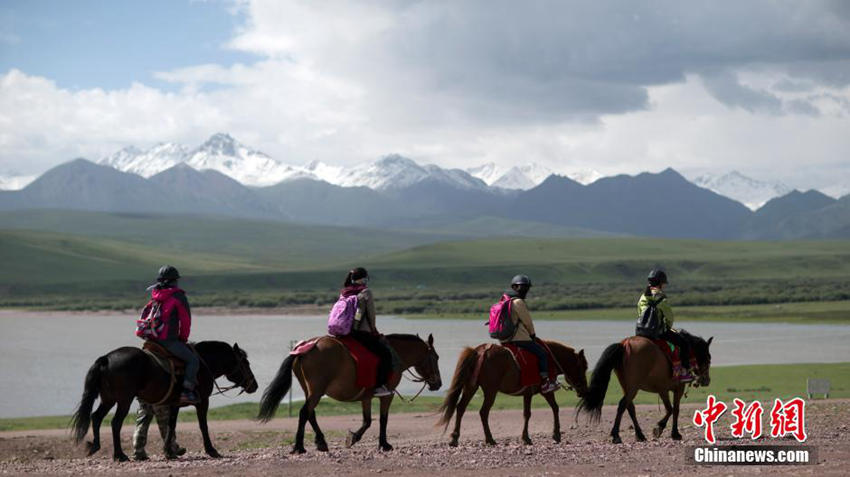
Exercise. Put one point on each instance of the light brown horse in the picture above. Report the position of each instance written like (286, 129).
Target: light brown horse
(329, 369)
(499, 372)
(641, 366)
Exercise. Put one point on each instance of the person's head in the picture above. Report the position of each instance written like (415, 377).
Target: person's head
(657, 278)
(521, 284)
(167, 276)
(356, 276)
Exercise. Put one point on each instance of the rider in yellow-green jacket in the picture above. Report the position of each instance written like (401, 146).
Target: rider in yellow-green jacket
(654, 292)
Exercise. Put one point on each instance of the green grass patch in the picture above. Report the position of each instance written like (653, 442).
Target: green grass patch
(755, 382)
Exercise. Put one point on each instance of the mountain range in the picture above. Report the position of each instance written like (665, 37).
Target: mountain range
(397, 193)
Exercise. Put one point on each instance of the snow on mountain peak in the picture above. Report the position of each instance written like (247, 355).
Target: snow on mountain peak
(746, 190)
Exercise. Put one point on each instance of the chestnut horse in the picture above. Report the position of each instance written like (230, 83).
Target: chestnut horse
(641, 365)
(329, 369)
(499, 372)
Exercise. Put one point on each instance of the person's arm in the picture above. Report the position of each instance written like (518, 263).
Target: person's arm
(366, 309)
(185, 316)
(666, 312)
(524, 315)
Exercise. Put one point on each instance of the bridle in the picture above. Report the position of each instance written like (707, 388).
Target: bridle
(243, 369)
(431, 355)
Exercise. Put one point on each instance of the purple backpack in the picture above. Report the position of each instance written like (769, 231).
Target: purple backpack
(501, 325)
(341, 317)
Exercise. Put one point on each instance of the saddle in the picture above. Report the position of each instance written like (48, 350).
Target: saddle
(169, 363)
(365, 362)
(527, 362)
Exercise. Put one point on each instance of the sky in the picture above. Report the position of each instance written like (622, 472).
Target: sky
(762, 87)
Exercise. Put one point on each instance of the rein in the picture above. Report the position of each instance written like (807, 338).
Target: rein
(411, 376)
(215, 380)
(569, 385)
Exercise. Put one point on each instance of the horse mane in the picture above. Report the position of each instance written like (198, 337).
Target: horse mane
(690, 337)
(403, 337)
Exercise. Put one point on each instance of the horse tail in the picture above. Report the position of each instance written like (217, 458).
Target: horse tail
(276, 390)
(463, 372)
(82, 417)
(593, 399)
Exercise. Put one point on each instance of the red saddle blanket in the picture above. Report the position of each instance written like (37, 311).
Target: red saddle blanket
(365, 362)
(528, 370)
(672, 352)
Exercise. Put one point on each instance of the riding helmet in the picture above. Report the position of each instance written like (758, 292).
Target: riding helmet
(657, 277)
(167, 273)
(521, 280)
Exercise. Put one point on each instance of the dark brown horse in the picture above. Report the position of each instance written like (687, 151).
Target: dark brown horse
(641, 366)
(126, 373)
(499, 372)
(329, 369)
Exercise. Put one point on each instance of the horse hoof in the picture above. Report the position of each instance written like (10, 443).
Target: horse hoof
(386, 447)
(351, 439)
(213, 453)
(556, 438)
(140, 457)
(676, 436)
(656, 433)
(298, 450)
(322, 446)
(91, 448)
(490, 442)
(453, 443)
(526, 441)
(616, 440)
(171, 456)
(640, 438)
(120, 457)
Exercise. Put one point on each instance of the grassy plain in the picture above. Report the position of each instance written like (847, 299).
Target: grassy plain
(755, 382)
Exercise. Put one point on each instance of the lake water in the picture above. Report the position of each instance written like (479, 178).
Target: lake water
(45, 355)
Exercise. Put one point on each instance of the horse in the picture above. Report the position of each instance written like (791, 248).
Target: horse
(126, 373)
(329, 369)
(641, 365)
(499, 372)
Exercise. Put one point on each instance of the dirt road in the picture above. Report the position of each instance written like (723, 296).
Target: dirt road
(421, 449)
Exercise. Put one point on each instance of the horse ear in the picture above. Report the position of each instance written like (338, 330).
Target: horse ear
(236, 346)
(430, 339)
(708, 343)
(581, 352)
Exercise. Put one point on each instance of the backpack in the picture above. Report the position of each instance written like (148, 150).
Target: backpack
(500, 324)
(341, 317)
(150, 324)
(650, 324)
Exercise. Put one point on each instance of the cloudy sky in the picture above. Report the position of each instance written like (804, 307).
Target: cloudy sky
(762, 87)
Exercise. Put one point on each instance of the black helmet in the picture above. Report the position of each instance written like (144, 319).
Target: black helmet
(167, 273)
(657, 277)
(521, 280)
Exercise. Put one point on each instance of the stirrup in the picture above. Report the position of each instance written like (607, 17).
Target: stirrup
(549, 386)
(381, 391)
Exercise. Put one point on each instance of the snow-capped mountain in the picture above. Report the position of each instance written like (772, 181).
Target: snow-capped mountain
(398, 172)
(15, 181)
(224, 154)
(147, 163)
(526, 176)
(748, 191)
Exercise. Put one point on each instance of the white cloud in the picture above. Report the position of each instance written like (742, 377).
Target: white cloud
(760, 87)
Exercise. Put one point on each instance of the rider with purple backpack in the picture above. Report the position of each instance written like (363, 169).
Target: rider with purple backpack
(363, 328)
(524, 336)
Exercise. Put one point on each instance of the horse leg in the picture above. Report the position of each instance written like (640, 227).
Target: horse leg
(526, 415)
(321, 443)
(489, 399)
(168, 447)
(201, 408)
(459, 410)
(354, 437)
(615, 430)
(668, 408)
(117, 421)
(677, 398)
(96, 418)
(303, 415)
(556, 430)
(385, 414)
(638, 432)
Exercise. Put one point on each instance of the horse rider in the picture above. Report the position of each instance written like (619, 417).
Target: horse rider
(524, 337)
(364, 329)
(175, 333)
(657, 280)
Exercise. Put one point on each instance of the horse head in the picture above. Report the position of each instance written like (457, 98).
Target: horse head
(573, 365)
(428, 366)
(240, 372)
(419, 354)
(702, 354)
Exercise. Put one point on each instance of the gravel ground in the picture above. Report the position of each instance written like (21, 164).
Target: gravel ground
(421, 449)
